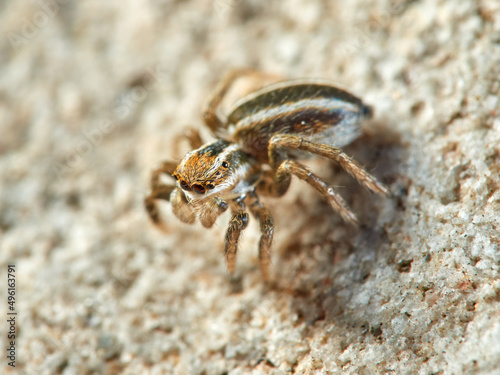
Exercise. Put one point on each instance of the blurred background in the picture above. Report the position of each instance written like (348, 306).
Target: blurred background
(93, 95)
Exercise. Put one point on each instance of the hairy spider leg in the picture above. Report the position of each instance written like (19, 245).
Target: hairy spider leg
(237, 223)
(210, 116)
(194, 138)
(284, 171)
(282, 180)
(170, 193)
(160, 192)
(334, 153)
(166, 167)
(267, 229)
(190, 134)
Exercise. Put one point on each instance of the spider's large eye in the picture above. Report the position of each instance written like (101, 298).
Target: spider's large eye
(184, 185)
(225, 164)
(199, 189)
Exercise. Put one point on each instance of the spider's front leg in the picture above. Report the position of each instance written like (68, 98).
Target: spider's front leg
(170, 193)
(238, 222)
(160, 192)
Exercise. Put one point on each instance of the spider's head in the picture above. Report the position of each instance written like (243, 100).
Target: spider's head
(214, 168)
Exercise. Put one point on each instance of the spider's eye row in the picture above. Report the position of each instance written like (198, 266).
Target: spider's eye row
(199, 189)
(225, 164)
(184, 185)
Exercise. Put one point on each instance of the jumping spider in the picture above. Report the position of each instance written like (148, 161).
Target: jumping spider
(259, 143)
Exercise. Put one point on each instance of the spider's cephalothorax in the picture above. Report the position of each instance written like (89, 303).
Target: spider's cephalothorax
(215, 169)
(274, 126)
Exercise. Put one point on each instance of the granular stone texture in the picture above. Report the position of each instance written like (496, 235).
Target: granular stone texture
(93, 95)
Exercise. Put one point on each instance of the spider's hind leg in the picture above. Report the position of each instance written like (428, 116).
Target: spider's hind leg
(282, 180)
(336, 154)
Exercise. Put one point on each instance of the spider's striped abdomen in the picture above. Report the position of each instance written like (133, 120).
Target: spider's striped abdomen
(315, 111)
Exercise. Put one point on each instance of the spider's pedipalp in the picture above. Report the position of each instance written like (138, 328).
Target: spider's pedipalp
(211, 210)
(181, 207)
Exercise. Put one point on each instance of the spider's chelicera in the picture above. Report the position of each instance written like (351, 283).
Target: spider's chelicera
(265, 135)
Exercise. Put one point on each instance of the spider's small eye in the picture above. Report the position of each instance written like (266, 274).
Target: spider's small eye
(184, 185)
(225, 164)
(199, 189)
(210, 186)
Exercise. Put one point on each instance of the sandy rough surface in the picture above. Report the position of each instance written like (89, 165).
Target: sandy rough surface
(92, 95)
